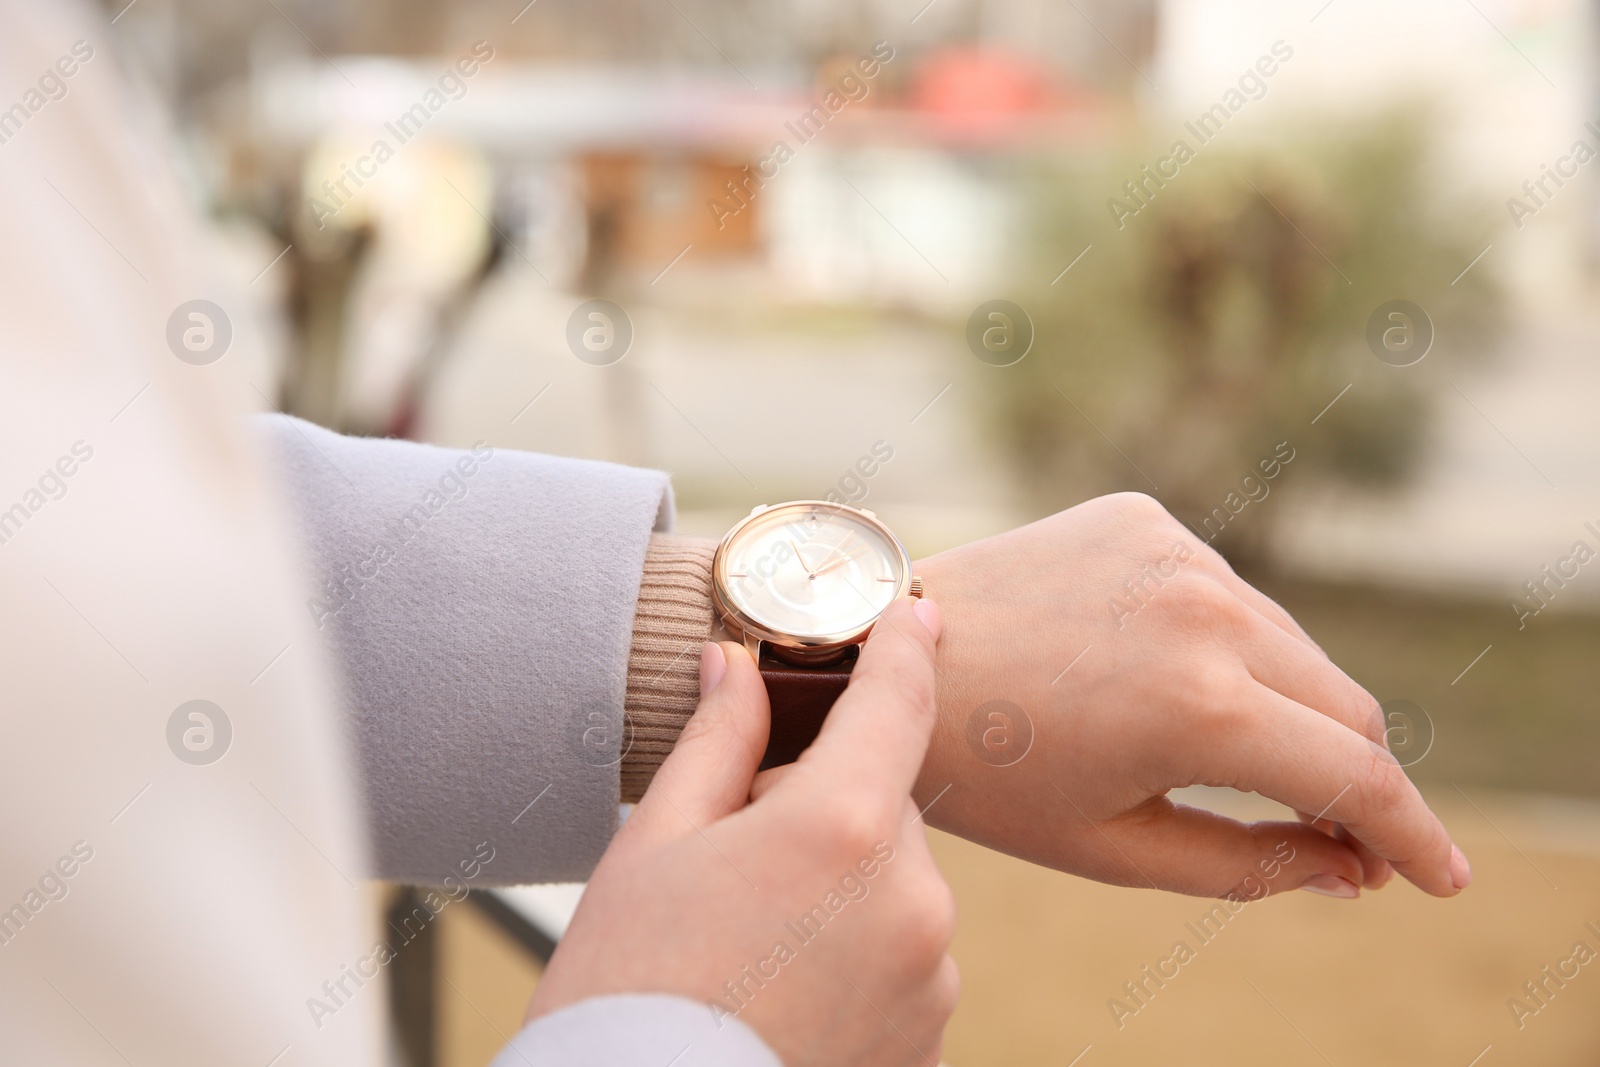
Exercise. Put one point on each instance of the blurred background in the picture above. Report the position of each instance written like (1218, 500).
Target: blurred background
(1198, 215)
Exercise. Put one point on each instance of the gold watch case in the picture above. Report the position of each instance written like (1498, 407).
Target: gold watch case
(802, 648)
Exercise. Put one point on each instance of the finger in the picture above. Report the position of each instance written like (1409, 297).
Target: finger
(913, 837)
(1272, 745)
(708, 773)
(943, 994)
(1189, 850)
(1375, 869)
(877, 734)
(768, 778)
(1306, 676)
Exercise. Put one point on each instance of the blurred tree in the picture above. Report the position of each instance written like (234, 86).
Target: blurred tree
(1223, 316)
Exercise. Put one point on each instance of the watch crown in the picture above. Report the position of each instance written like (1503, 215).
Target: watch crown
(759, 508)
(916, 588)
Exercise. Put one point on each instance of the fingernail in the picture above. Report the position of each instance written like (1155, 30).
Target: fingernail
(713, 665)
(928, 614)
(1331, 885)
(1460, 869)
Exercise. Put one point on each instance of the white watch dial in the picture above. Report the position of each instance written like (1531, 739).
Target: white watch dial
(812, 570)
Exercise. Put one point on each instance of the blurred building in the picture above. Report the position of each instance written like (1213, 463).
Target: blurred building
(615, 149)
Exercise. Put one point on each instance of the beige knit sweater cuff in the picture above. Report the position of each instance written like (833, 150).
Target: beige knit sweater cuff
(671, 624)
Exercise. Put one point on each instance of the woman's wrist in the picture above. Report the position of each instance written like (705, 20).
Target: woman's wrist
(671, 622)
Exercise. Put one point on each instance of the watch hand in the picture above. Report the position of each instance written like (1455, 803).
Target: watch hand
(800, 559)
(841, 560)
(845, 540)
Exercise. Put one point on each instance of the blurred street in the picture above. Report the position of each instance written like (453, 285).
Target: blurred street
(1508, 483)
(1392, 980)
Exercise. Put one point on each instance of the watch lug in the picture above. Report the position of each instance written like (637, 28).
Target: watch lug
(759, 508)
(752, 645)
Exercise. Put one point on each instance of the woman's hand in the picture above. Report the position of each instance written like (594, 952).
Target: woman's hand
(1142, 663)
(813, 912)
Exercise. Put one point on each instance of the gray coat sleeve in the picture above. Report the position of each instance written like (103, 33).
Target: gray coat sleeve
(480, 605)
(637, 1030)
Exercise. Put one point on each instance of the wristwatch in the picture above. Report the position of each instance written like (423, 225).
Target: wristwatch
(801, 584)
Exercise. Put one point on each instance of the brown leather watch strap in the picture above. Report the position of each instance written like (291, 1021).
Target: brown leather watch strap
(800, 699)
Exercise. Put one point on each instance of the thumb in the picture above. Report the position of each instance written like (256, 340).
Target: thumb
(707, 775)
(765, 780)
